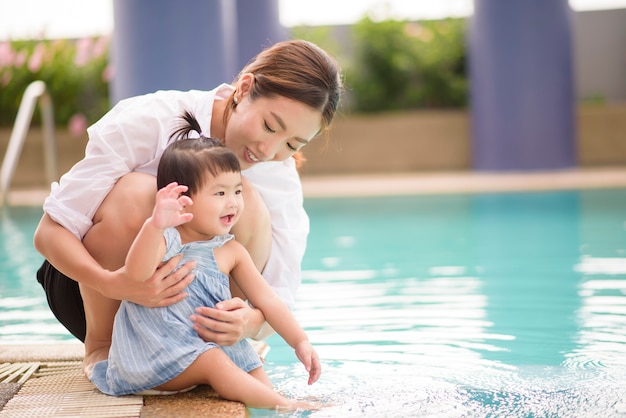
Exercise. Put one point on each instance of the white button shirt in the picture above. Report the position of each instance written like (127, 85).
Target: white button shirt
(132, 137)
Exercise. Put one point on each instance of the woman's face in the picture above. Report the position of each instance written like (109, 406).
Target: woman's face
(269, 129)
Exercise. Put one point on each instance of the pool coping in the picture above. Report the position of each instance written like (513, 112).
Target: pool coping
(462, 182)
(202, 401)
(388, 184)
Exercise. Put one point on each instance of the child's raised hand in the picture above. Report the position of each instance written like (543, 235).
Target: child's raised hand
(169, 205)
(307, 355)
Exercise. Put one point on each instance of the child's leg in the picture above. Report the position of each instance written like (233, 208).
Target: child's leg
(260, 375)
(216, 369)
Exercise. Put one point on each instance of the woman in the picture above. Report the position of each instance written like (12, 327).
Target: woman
(280, 101)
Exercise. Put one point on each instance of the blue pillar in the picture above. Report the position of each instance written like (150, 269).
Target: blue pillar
(258, 26)
(165, 44)
(522, 88)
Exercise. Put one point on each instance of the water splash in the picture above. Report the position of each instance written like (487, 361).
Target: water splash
(365, 390)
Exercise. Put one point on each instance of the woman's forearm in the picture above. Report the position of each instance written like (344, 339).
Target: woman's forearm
(256, 325)
(68, 254)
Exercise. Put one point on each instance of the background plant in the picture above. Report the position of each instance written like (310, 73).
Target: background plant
(388, 65)
(76, 73)
(392, 64)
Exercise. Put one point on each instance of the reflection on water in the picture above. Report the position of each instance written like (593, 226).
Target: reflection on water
(396, 320)
(487, 305)
(465, 305)
(24, 313)
(602, 316)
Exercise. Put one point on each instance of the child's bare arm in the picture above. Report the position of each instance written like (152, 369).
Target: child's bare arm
(148, 248)
(276, 312)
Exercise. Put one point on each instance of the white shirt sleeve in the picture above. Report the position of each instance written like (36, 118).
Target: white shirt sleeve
(279, 185)
(130, 137)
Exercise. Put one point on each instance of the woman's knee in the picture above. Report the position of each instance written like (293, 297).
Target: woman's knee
(129, 203)
(119, 218)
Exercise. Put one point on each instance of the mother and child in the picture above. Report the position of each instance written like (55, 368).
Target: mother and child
(284, 98)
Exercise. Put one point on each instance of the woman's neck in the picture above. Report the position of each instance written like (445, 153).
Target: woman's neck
(217, 119)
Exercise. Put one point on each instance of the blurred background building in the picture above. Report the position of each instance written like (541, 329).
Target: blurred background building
(540, 87)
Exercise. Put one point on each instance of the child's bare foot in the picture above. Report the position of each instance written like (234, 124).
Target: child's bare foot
(302, 405)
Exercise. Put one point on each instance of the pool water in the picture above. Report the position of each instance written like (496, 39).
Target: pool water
(510, 304)
(24, 313)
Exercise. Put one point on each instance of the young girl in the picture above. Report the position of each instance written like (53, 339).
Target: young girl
(198, 202)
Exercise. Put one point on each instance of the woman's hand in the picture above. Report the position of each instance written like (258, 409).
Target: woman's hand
(231, 321)
(307, 355)
(165, 287)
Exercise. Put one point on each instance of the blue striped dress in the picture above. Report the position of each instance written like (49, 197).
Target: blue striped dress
(151, 346)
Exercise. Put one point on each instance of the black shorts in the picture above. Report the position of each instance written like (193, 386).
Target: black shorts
(64, 299)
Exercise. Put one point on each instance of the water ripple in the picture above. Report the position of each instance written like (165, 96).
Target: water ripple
(360, 389)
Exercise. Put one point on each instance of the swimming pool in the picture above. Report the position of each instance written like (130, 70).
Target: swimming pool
(510, 304)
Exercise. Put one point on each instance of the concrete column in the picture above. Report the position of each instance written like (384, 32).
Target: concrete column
(522, 86)
(165, 44)
(258, 26)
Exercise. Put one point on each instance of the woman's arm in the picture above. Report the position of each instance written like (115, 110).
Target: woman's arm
(230, 322)
(68, 253)
(72, 259)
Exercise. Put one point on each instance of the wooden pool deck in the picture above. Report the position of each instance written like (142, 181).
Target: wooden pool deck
(42, 380)
(72, 395)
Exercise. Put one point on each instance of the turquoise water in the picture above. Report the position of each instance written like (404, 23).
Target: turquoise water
(453, 305)
(24, 313)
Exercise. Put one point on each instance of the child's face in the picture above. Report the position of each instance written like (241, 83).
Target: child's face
(217, 206)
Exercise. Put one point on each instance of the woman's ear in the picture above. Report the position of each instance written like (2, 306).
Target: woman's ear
(244, 85)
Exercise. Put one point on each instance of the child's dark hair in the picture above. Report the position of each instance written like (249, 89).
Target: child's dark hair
(188, 160)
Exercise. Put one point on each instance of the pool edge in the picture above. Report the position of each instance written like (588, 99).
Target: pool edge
(462, 182)
(200, 402)
(386, 184)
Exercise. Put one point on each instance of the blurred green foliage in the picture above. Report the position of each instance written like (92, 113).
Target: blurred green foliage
(396, 64)
(388, 65)
(76, 74)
